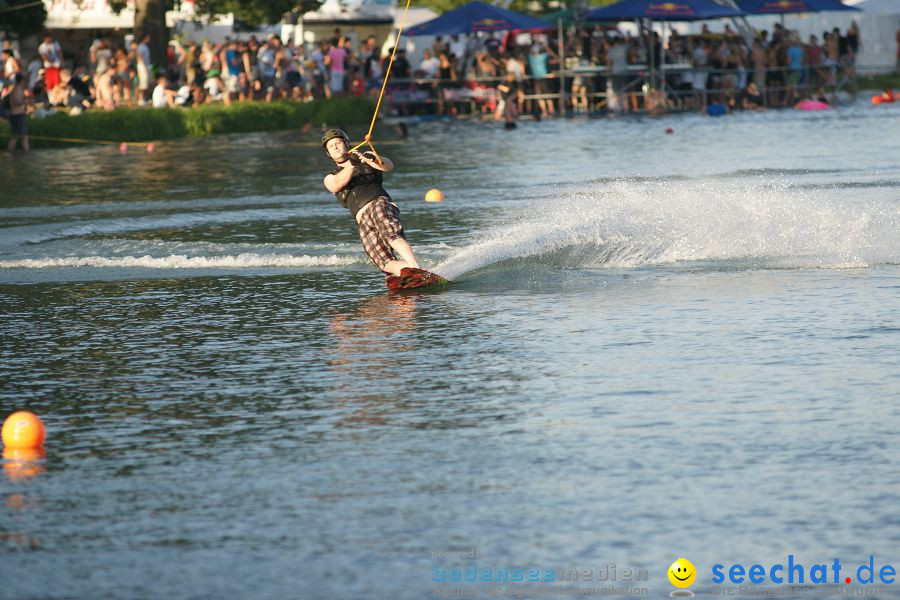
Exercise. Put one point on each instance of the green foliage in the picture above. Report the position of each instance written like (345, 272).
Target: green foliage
(22, 21)
(149, 124)
(885, 81)
(250, 12)
(253, 12)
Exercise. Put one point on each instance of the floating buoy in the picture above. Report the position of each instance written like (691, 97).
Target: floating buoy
(669, 131)
(23, 429)
(150, 148)
(434, 195)
(123, 148)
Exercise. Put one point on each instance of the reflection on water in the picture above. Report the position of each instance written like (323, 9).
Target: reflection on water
(367, 345)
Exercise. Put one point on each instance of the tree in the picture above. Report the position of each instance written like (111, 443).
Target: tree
(22, 17)
(150, 19)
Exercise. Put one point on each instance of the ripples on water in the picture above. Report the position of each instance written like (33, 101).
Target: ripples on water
(657, 346)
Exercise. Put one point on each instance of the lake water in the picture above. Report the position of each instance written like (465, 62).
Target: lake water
(656, 346)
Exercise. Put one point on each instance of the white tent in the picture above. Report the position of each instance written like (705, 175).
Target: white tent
(879, 7)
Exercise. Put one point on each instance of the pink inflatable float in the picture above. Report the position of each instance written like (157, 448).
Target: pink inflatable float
(811, 105)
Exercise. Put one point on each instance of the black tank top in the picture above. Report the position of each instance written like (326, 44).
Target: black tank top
(363, 187)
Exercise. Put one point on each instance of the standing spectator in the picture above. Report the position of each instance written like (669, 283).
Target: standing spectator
(795, 56)
(334, 60)
(34, 71)
(760, 62)
(458, 50)
(100, 57)
(439, 46)
(430, 65)
(19, 99)
(372, 65)
(123, 79)
(191, 63)
(539, 63)
(446, 79)
(143, 63)
(104, 86)
(231, 70)
(853, 45)
(617, 66)
(10, 67)
(250, 60)
(814, 57)
(831, 57)
(777, 58)
(266, 63)
(52, 57)
(700, 60)
(320, 71)
(897, 65)
(401, 64)
(508, 108)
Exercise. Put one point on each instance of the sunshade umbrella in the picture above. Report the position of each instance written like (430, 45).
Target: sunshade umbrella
(663, 10)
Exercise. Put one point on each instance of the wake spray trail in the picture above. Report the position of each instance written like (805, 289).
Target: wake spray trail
(628, 224)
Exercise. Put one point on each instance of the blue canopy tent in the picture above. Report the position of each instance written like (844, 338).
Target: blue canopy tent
(477, 16)
(663, 10)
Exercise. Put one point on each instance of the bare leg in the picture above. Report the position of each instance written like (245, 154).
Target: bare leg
(395, 266)
(401, 247)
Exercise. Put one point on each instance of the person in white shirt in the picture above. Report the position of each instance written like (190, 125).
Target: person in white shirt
(430, 65)
(162, 96)
(52, 57)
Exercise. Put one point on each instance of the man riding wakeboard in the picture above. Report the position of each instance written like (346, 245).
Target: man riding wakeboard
(357, 184)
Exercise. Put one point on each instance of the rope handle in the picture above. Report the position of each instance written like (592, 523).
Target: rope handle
(368, 137)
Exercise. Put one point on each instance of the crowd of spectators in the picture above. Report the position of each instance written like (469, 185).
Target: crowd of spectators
(604, 69)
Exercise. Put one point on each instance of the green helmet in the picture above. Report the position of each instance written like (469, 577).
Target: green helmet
(334, 133)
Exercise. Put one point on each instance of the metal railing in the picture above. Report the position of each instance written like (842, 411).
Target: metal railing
(594, 88)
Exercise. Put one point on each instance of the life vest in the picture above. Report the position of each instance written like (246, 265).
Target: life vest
(363, 187)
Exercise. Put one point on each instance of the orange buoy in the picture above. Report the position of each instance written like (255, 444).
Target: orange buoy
(876, 100)
(434, 195)
(123, 148)
(23, 429)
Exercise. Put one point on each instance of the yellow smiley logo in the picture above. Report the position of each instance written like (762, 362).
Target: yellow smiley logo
(682, 573)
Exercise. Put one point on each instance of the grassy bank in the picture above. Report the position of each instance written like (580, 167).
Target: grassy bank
(885, 81)
(149, 124)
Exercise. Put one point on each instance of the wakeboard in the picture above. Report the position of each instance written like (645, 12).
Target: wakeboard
(411, 279)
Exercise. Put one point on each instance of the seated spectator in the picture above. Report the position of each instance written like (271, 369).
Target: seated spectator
(162, 96)
(752, 99)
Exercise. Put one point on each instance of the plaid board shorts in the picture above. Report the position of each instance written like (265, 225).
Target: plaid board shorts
(379, 225)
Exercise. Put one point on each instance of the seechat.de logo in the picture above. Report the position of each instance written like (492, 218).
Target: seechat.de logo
(682, 574)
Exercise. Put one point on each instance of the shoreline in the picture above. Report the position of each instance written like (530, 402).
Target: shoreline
(143, 125)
